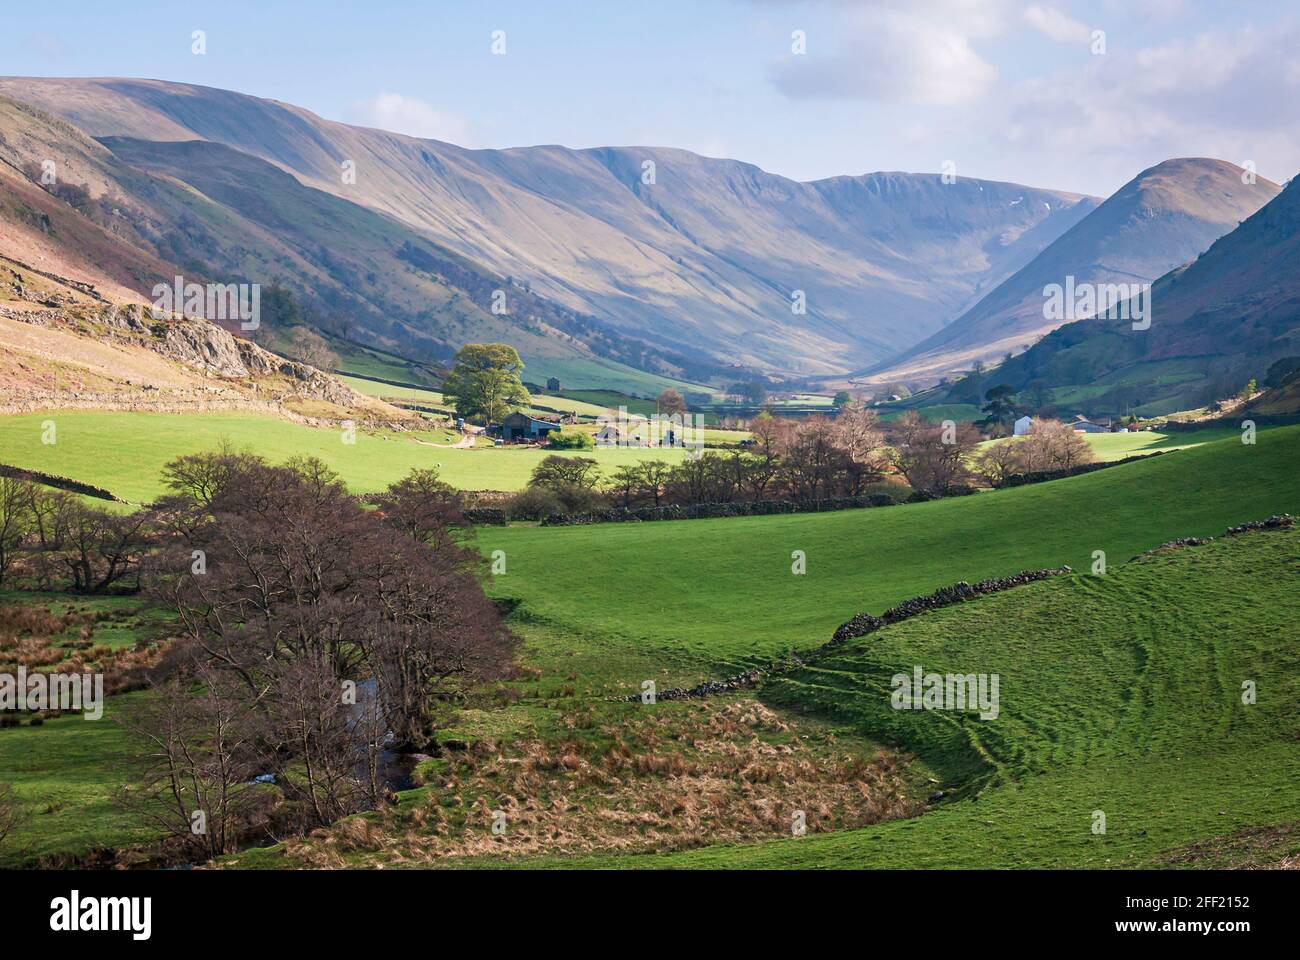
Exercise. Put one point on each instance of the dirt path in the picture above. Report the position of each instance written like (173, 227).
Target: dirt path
(471, 435)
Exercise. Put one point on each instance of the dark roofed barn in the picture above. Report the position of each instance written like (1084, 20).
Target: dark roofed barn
(520, 426)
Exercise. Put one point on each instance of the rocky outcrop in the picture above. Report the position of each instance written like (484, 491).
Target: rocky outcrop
(215, 351)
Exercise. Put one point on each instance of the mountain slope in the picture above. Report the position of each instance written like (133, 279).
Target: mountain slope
(131, 214)
(1215, 323)
(1159, 220)
(701, 261)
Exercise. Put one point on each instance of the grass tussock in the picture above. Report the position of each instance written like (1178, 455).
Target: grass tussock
(672, 777)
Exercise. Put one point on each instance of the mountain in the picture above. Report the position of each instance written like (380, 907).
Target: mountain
(1215, 323)
(142, 212)
(1159, 220)
(692, 257)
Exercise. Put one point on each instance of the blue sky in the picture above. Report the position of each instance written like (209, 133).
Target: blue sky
(1004, 90)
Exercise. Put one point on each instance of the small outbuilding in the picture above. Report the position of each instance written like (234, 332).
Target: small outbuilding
(1021, 426)
(553, 384)
(1082, 424)
(520, 426)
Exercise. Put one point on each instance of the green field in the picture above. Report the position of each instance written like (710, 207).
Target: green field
(1117, 446)
(1119, 694)
(937, 413)
(718, 593)
(600, 374)
(433, 398)
(67, 773)
(125, 452)
(372, 388)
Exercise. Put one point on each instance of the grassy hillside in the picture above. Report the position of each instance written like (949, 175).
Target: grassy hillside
(720, 592)
(124, 452)
(1120, 694)
(1159, 220)
(1217, 322)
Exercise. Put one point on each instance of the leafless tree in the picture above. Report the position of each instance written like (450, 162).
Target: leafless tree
(1053, 445)
(999, 460)
(10, 812)
(16, 521)
(933, 457)
(654, 476)
(304, 595)
(197, 761)
(312, 349)
(810, 456)
(858, 434)
(425, 508)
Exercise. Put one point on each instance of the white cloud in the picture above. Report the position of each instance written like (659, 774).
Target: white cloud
(898, 51)
(1234, 95)
(398, 113)
(1058, 26)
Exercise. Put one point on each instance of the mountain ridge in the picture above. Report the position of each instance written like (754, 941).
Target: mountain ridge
(703, 258)
(1162, 218)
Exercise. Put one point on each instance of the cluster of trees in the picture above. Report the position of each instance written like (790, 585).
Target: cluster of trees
(748, 391)
(314, 635)
(59, 541)
(1049, 445)
(801, 459)
(807, 459)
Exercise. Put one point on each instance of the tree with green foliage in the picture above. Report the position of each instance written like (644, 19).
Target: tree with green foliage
(1249, 389)
(999, 407)
(570, 440)
(555, 472)
(484, 384)
(842, 399)
(748, 391)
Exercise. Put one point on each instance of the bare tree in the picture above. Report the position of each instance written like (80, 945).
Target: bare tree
(999, 460)
(302, 592)
(858, 434)
(197, 762)
(312, 349)
(16, 521)
(10, 812)
(95, 548)
(654, 477)
(810, 456)
(425, 508)
(670, 402)
(933, 458)
(1053, 445)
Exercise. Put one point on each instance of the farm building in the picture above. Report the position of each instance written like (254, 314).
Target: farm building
(632, 432)
(553, 384)
(1082, 424)
(1021, 426)
(610, 435)
(520, 426)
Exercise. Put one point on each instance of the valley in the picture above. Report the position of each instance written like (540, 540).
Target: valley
(731, 440)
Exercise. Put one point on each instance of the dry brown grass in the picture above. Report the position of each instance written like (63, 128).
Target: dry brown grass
(1255, 848)
(37, 638)
(694, 774)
